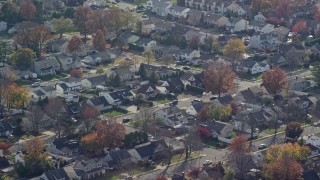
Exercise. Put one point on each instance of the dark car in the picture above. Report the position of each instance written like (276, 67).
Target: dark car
(126, 120)
(186, 68)
(174, 103)
(262, 146)
(213, 97)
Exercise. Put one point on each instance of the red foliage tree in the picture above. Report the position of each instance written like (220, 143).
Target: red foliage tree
(89, 114)
(99, 41)
(203, 114)
(239, 144)
(300, 26)
(82, 19)
(203, 132)
(276, 21)
(75, 44)
(234, 108)
(162, 178)
(76, 73)
(316, 12)
(4, 146)
(27, 9)
(283, 9)
(274, 80)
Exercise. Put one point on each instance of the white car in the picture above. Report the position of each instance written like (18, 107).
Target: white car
(36, 84)
(207, 162)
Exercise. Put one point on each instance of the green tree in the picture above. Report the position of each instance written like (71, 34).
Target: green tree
(62, 25)
(148, 54)
(153, 78)
(142, 71)
(23, 58)
(115, 80)
(293, 130)
(229, 174)
(69, 12)
(316, 74)
(135, 138)
(10, 13)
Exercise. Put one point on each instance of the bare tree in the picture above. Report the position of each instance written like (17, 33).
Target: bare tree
(193, 141)
(35, 116)
(55, 110)
(142, 118)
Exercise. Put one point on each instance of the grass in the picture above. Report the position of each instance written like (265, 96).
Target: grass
(113, 112)
(214, 143)
(53, 77)
(248, 76)
(163, 101)
(115, 175)
(176, 158)
(24, 83)
(271, 131)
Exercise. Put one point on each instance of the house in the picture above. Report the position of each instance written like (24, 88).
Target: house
(118, 97)
(50, 91)
(147, 91)
(219, 129)
(281, 33)
(92, 82)
(314, 140)
(268, 41)
(63, 147)
(37, 95)
(295, 57)
(195, 17)
(95, 58)
(192, 33)
(160, 51)
(164, 27)
(148, 25)
(235, 9)
(55, 174)
(237, 25)
(150, 150)
(260, 27)
(310, 175)
(22, 26)
(7, 127)
(278, 60)
(215, 172)
(118, 158)
(252, 95)
(260, 117)
(68, 84)
(74, 108)
(178, 11)
(161, 71)
(224, 100)
(252, 67)
(168, 115)
(3, 26)
(243, 127)
(195, 108)
(67, 61)
(86, 168)
(4, 163)
(186, 54)
(46, 65)
(145, 43)
(196, 80)
(260, 17)
(174, 85)
(57, 45)
(218, 7)
(99, 102)
(216, 20)
(160, 7)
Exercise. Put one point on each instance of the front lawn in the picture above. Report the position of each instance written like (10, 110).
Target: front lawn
(53, 77)
(214, 143)
(252, 77)
(271, 131)
(114, 112)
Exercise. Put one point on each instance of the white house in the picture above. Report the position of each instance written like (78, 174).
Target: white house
(314, 140)
(194, 109)
(50, 91)
(3, 26)
(178, 11)
(160, 7)
(116, 98)
(260, 17)
(37, 95)
(264, 41)
(148, 91)
(261, 27)
(169, 115)
(146, 43)
(235, 8)
(68, 84)
(252, 67)
(186, 54)
(237, 25)
(92, 82)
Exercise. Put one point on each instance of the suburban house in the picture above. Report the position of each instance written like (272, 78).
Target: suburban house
(169, 115)
(92, 82)
(195, 17)
(118, 97)
(235, 9)
(150, 150)
(219, 129)
(95, 58)
(67, 61)
(46, 65)
(63, 147)
(195, 108)
(189, 35)
(125, 74)
(196, 80)
(252, 95)
(252, 67)
(147, 91)
(268, 41)
(281, 33)
(224, 100)
(237, 25)
(118, 158)
(3, 26)
(7, 126)
(99, 102)
(278, 60)
(161, 71)
(216, 20)
(178, 11)
(162, 26)
(148, 25)
(160, 7)
(218, 7)
(174, 85)
(57, 45)
(260, 17)
(186, 54)
(314, 140)
(160, 51)
(37, 95)
(86, 168)
(145, 43)
(260, 27)
(68, 84)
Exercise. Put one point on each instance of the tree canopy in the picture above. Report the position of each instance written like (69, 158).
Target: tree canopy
(274, 80)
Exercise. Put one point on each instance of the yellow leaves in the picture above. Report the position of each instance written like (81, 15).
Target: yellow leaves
(17, 96)
(234, 49)
(295, 151)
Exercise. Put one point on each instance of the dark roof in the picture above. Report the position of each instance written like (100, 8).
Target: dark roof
(248, 96)
(57, 42)
(48, 88)
(38, 92)
(4, 163)
(143, 89)
(215, 172)
(248, 63)
(175, 84)
(96, 79)
(197, 106)
(57, 174)
(96, 101)
(144, 41)
(63, 86)
(148, 149)
(216, 126)
(74, 107)
(125, 92)
(227, 99)
(119, 154)
(7, 125)
(287, 47)
(63, 142)
(310, 175)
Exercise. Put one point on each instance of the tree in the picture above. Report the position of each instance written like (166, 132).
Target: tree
(293, 150)
(234, 49)
(90, 143)
(114, 80)
(239, 148)
(274, 80)
(55, 110)
(75, 44)
(299, 27)
(229, 174)
(315, 71)
(99, 42)
(194, 42)
(76, 73)
(100, 69)
(35, 116)
(10, 13)
(27, 9)
(153, 78)
(62, 25)
(142, 71)
(260, 6)
(17, 96)
(219, 79)
(98, 21)
(82, 17)
(23, 58)
(167, 59)
(204, 132)
(293, 130)
(148, 54)
(203, 114)
(283, 9)
(116, 19)
(89, 115)
(135, 138)
(69, 12)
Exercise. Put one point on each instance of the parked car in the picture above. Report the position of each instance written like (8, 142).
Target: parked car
(179, 63)
(126, 120)
(186, 68)
(174, 103)
(213, 97)
(196, 101)
(35, 84)
(207, 162)
(262, 146)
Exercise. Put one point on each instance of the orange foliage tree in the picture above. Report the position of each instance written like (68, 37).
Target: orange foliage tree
(89, 114)
(75, 44)
(274, 80)
(76, 73)
(27, 9)
(300, 26)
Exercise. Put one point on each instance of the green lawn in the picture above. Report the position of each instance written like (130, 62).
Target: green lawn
(214, 143)
(53, 77)
(176, 158)
(163, 101)
(271, 131)
(113, 112)
(247, 76)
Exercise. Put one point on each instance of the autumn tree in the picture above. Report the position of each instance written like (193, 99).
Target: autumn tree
(194, 42)
(117, 19)
(100, 69)
(299, 27)
(166, 59)
(55, 109)
(10, 12)
(75, 44)
(293, 130)
(76, 73)
(23, 58)
(234, 49)
(239, 147)
(293, 150)
(17, 96)
(315, 71)
(62, 25)
(27, 9)
(90, 144)
(316, 12)
(283, 9)
(82, 17)
(148, 54)
(99, 21)
(260, 6)
(204, 132)
(274, 80)
(35, 116)
(219, 79)
(89, 115)
(99, 41)
(203, 114)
